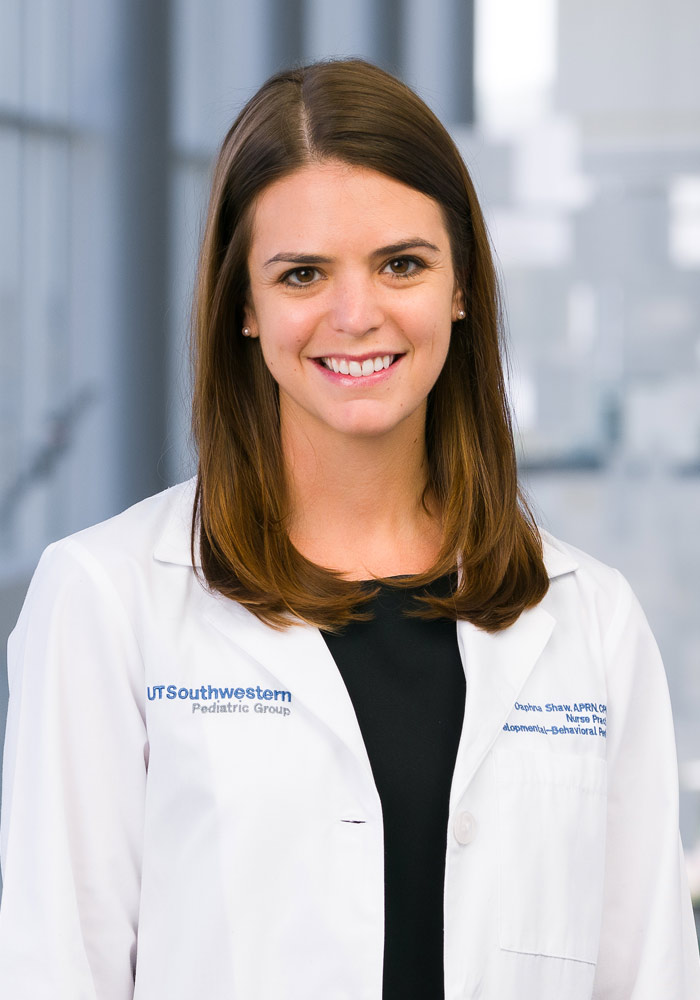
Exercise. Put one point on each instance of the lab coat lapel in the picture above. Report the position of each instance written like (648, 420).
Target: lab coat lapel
(496, 666)
(300, 661)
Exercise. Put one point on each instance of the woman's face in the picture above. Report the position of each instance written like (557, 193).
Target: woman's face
(352, 294)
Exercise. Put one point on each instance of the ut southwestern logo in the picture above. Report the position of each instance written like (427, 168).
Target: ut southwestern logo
(208, 698)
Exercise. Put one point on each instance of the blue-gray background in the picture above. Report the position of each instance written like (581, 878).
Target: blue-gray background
(580, 121)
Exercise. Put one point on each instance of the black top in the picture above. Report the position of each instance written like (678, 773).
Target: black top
(405, 678)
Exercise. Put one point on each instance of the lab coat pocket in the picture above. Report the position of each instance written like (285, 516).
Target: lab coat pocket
(552, 810)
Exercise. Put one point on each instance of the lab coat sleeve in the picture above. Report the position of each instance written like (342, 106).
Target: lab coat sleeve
(648, 944)
(74, 778)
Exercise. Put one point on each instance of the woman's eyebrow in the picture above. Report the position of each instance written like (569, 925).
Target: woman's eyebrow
(298, 258)
(402, 245)
(288, 257)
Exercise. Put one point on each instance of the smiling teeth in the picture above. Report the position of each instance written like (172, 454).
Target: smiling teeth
(358, 368)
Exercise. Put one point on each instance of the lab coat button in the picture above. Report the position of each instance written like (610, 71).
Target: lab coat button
(464, 828)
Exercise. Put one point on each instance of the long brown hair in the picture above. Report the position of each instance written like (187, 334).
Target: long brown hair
(353, 112)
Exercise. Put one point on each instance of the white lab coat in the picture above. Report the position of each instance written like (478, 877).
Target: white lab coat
(188, 800)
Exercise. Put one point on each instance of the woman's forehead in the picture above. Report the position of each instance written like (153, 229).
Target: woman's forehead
(330, 202)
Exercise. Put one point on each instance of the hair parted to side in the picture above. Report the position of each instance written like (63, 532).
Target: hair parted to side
(353, 112)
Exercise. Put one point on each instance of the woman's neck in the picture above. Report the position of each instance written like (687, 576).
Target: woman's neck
(357, 503)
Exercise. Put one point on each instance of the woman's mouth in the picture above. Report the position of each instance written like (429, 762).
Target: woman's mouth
(356, 368)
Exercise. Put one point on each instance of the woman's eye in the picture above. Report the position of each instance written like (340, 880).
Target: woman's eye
(402, 267)
(300, 276)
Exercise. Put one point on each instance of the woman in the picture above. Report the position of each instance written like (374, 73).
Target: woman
(240, 761)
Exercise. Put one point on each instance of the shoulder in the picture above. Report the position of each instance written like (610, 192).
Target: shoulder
(575, 576)
(582, 585)
(156, 527)
(562, 559)
(147, 526)
(119, 561)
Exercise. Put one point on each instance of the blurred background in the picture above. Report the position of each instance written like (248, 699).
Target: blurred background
(580, 123)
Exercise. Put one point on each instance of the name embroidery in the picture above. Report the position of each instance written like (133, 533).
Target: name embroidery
(586, 718)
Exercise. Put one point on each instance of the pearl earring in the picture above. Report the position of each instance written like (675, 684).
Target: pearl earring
(461, 314)
(246, 331)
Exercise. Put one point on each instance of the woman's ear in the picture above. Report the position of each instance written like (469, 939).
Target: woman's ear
(250, 328)
(458, 310)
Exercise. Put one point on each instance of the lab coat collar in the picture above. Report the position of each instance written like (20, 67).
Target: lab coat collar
(173, 544)
(496, 665)
(298, 659)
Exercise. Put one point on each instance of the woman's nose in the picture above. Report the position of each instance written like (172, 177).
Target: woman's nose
(356, 306)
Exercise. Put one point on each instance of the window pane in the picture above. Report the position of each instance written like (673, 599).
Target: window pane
(46, 52)
(10, 342)
(10, 48)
